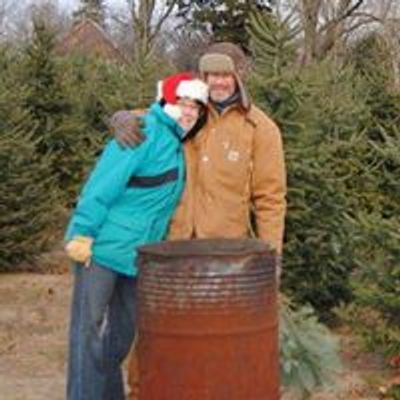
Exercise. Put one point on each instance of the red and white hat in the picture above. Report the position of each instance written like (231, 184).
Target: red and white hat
(183, 84)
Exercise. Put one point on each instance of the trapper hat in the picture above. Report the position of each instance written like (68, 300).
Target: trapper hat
(223, 57)
(180, 85)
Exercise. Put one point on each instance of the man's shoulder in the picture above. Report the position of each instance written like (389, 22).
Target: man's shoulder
(263, 124)
(258, 116)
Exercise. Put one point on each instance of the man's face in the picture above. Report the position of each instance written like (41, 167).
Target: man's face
(222, 85)
(190, 113)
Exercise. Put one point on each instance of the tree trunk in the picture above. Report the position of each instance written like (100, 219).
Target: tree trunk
(311, 9)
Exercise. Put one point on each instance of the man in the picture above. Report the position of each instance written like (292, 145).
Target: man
(235, 163)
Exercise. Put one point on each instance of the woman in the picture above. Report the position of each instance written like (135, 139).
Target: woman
(128, 201)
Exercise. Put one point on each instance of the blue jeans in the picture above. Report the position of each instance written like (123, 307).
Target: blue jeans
(102, 330)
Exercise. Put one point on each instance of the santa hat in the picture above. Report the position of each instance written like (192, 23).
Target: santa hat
(183, 84)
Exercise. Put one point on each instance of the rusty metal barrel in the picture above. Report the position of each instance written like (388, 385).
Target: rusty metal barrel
(208, 321)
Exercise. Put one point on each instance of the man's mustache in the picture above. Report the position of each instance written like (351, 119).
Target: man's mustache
(218, 87)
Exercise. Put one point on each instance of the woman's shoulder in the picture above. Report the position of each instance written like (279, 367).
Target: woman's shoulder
(154, 113)
(114, 152)
(154, 121)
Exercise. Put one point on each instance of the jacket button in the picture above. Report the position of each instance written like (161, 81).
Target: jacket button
(205, 159)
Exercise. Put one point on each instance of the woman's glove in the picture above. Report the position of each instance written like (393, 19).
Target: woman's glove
(79, 249)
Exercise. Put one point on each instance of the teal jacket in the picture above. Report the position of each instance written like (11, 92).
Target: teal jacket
(131, 194)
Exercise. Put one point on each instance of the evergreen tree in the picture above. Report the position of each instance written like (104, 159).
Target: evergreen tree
(226, 20)
(95, 89)
(70, 100)
(341, 134)
(321, 110)
(45, 99)
(48, 105)
(29, 197)
(92, 9)
(62, 132)
(28, 193)
(374, 314)
(375, 311)
(309, 352)
(146, 71)
(376, 206)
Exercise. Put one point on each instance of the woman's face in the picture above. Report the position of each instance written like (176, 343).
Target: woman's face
(190, 113)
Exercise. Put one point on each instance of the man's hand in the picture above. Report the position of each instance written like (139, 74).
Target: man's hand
(127, 127)
(79, 249)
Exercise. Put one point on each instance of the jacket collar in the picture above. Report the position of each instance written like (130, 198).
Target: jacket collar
(230, 101)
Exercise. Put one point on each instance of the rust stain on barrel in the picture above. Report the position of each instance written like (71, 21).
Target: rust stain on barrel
(208, 322)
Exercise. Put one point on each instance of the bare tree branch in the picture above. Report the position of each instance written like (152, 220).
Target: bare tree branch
(345, 13)
(366, 16)
(163, 18)
(359, 24)
(327, 24)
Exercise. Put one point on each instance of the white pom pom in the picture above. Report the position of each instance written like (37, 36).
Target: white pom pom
(159, 90)
(173, 111)
(194, 89)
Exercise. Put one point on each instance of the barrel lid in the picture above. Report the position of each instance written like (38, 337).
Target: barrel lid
(207, 248)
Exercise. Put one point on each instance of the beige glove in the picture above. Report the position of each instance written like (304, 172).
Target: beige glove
(79, 249)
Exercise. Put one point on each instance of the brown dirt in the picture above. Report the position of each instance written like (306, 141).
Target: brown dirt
(34, 312)
(33, 326)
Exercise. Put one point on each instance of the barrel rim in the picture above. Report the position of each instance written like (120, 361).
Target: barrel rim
(207, 248)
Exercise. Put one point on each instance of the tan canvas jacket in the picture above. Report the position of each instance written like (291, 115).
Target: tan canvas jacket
(235, 163)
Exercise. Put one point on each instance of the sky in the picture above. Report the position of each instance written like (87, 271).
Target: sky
(72, 4)
(17, 12)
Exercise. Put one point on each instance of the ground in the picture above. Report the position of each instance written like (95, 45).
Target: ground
(34, 311)
(33, 321)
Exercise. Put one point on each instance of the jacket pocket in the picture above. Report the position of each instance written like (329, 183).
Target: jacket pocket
(122, 234)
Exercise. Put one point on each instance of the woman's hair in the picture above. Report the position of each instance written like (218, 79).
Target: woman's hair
(201, 121)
